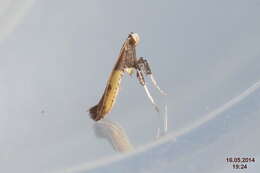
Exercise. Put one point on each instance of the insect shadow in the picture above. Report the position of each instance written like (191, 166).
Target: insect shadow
(115, 134)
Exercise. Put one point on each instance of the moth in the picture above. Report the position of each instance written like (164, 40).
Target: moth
(127, 62)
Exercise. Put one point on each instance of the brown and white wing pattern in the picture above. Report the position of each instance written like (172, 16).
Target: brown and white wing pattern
(107, 101)
(126, 62)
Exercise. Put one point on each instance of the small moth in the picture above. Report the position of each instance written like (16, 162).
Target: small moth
(126, 62)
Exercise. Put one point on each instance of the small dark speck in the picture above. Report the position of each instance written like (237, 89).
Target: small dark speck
(42, 112)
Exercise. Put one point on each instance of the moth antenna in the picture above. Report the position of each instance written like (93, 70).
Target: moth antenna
(156, 85)
(151, 98)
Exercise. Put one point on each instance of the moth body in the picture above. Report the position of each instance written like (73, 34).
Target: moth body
(126, 62)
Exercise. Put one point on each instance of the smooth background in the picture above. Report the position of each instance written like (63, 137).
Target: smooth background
(55, 58)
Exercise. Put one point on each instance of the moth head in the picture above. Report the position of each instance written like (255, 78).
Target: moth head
(134, 38)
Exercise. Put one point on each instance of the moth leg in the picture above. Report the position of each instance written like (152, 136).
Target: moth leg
(144, 65)
(140, 77)
(156, 85)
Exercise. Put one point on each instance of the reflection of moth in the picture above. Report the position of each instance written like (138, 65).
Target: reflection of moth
(115, 134)
(126, 62)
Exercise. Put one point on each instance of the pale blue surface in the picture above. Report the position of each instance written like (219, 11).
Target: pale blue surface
(56, 56)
